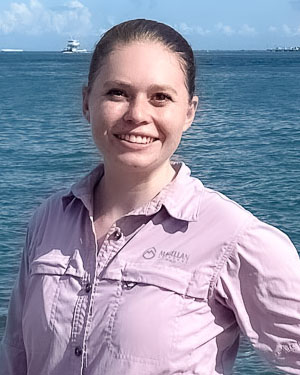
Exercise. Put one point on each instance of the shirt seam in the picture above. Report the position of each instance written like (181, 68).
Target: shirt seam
(226, 253)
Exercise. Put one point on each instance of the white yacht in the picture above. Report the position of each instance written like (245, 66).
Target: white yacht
(11, 50)
(72, 47)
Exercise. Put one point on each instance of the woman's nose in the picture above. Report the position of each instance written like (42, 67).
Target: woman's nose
(137, 111)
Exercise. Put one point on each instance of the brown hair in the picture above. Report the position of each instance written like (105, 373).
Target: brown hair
(142, 29)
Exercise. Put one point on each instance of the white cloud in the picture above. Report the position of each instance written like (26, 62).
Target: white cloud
(272, 29)
(286, 29)
(184, 28)
(290, 31)
(225, 29)
(187, 30)
(247, 30)
(76, 4)
(35, 18)
(201, 31)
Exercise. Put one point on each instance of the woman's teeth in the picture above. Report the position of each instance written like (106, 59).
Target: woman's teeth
(135, 138)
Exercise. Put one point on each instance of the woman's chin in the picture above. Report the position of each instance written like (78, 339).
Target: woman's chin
(135, 163)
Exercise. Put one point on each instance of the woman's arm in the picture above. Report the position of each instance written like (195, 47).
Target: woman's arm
(12, 351)
(261, 283)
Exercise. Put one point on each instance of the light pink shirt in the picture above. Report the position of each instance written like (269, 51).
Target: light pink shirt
(169, 291)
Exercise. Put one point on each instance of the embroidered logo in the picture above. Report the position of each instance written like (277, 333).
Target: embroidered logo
(174, 256)
(149, 253)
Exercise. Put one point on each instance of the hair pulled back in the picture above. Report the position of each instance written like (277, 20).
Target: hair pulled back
(144, 30)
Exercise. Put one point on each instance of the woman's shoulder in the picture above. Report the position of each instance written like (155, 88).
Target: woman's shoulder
(51, 205)
(58, 203)
(250, 229)
(220, 211)
(190, 199)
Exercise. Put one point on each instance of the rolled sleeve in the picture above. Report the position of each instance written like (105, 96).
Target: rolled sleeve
(260, 282)
(12, 351)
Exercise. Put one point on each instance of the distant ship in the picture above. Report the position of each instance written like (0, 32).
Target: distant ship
(72, 47)
(284, 49)
(11, 50)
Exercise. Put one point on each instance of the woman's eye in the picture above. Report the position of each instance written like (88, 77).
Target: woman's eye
(116, 93)
(161, 97)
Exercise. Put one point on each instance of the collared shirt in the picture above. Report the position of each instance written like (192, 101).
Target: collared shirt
(168, 292)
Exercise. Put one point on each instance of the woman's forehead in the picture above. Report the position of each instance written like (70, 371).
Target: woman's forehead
(145, 55)
(141, 66)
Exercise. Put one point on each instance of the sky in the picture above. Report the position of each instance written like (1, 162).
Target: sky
(46, 25)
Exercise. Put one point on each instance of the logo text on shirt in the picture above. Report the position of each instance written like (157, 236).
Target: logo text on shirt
(173, 256)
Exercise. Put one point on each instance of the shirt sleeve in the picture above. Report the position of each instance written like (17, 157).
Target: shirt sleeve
(12, 351)
(260, 282)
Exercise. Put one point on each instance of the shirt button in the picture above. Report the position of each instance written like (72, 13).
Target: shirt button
(78, 351)
(88, 287)
(128, 285)
(117, 234)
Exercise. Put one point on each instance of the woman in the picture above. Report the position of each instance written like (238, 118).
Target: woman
(138, 268)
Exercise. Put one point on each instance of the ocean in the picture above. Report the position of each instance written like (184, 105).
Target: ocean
(245, 142)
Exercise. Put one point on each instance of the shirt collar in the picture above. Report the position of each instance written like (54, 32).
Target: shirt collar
(84, 189)
(181, 197)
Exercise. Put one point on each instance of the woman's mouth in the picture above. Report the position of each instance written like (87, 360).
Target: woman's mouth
(140, 139)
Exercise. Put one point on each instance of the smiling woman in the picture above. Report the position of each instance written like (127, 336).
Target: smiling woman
(138, 268)
(139, 110)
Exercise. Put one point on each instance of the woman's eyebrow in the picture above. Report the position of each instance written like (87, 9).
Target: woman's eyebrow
(116, 83)
(126, 85)
(163, 88)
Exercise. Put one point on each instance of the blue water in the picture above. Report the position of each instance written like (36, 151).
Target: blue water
(245, 142)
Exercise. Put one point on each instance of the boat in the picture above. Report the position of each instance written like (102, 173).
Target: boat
(73, 47)
(11, 50)
(284, 49)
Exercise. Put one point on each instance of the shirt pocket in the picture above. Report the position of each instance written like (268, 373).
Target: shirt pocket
(49, 274)
(145, 315)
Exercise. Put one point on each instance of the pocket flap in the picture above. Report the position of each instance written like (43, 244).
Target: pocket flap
(170, 278)
(55, 263)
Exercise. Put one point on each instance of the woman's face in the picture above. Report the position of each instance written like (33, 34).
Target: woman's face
(139, 106)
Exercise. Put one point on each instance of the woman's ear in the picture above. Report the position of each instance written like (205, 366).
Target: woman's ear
(85, 103)
(192, 108)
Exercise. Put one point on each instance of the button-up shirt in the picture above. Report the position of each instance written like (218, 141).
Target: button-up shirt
(169, 290)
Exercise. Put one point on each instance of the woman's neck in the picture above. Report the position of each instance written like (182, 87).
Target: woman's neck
(121, 191)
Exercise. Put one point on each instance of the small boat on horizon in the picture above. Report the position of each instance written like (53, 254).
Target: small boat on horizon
(284, 49)
(11, 50)
(73, 47)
